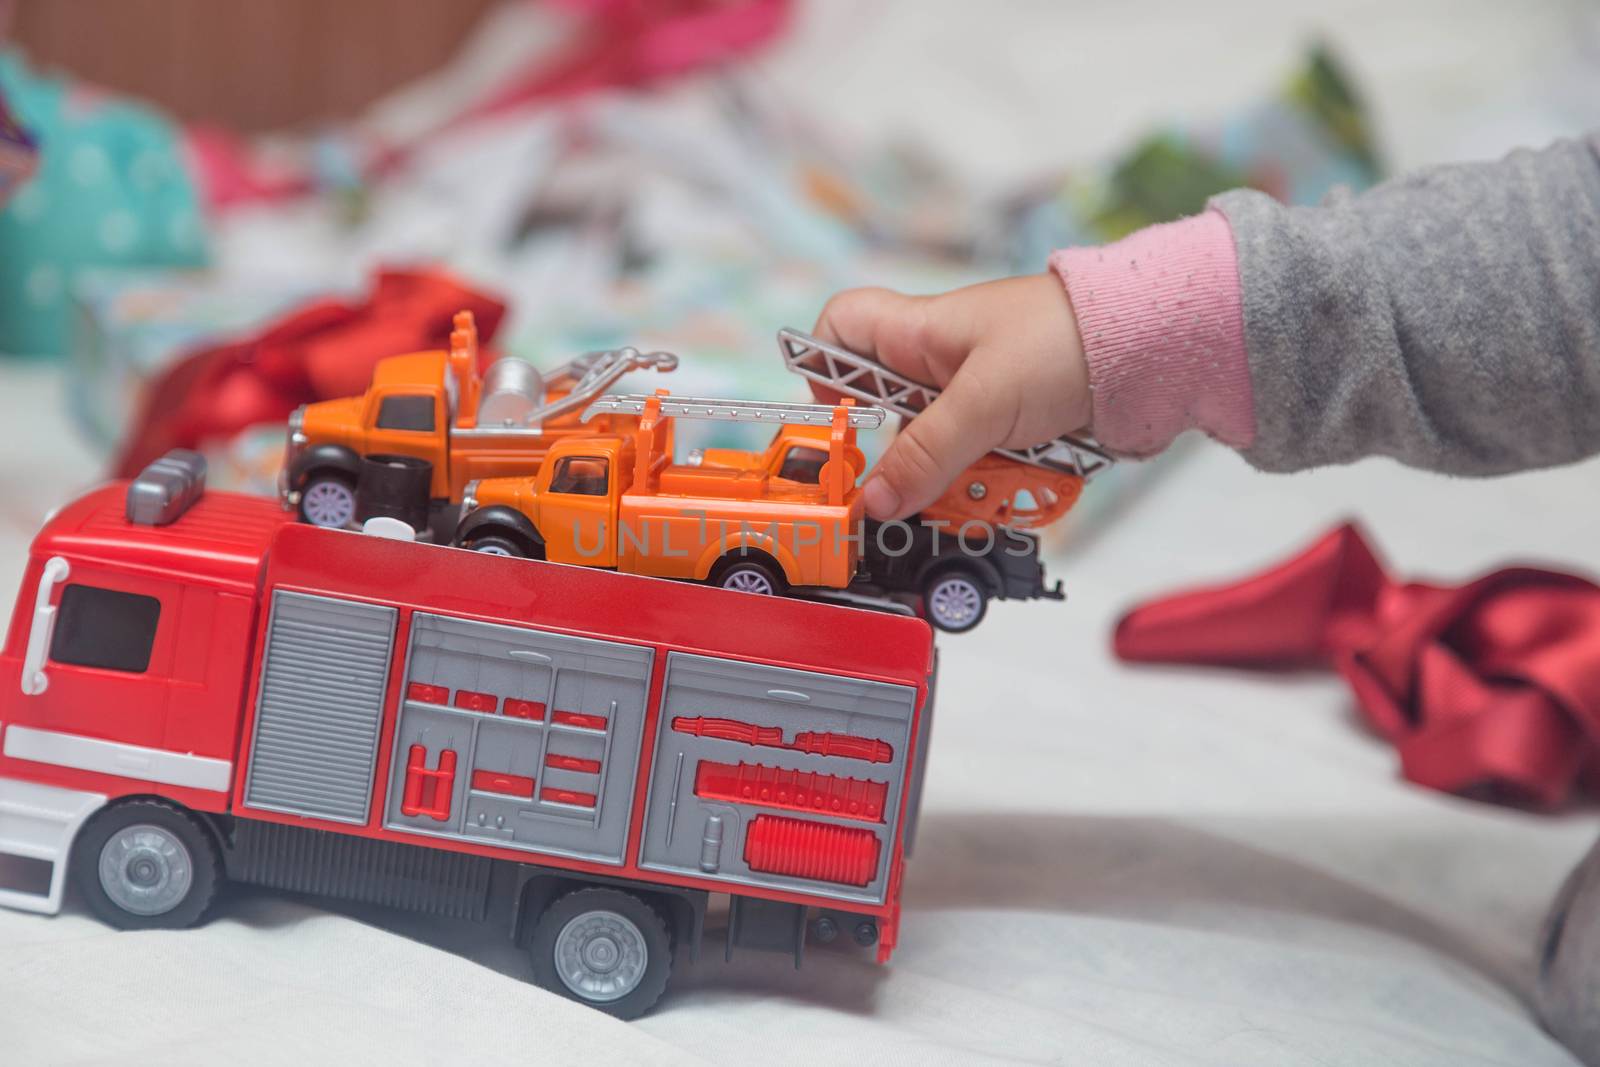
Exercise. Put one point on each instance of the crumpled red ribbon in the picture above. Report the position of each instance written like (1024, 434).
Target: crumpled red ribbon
(322, 350)
(1490, 689)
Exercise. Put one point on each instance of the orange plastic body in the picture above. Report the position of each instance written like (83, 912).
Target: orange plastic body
(458, 448)
(1002, 492)
(995, 490)
(619, 500)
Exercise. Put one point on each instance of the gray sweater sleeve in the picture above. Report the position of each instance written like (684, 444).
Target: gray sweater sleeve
(1449, 318)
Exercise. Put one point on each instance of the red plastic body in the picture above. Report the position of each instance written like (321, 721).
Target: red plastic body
(214, 572)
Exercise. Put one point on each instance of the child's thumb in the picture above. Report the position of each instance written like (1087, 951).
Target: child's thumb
(958, 428)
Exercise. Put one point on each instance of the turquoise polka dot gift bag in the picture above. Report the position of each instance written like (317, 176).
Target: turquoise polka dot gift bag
(110, 190)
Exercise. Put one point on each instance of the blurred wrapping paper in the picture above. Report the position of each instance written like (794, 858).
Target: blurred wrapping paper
(110, 190)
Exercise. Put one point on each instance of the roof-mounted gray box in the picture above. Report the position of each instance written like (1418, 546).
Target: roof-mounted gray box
(166, 488)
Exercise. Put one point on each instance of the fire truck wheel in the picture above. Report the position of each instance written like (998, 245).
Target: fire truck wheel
(497, 545)
(954, 600)
(749, 576)
(147, 865)
(328, 499)
(605, 948)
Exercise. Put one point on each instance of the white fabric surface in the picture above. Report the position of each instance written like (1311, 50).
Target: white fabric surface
(1116, 866)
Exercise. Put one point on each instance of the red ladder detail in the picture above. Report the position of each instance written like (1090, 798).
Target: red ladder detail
(428, 790)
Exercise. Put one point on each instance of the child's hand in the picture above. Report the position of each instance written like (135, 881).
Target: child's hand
(1009, 361)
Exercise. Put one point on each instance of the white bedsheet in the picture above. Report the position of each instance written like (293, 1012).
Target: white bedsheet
(1116, 866)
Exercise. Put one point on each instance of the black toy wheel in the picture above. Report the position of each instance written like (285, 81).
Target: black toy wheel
(954, 600)
(328, 499)
(147, 865)
(602, 947)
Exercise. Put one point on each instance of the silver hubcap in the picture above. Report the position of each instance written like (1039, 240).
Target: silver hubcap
(146, 870)
(749, 580)
(601, 956)
(954, 602)
(329, 504)
(491, 549)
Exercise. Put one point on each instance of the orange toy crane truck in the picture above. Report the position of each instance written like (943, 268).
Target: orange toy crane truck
(972, 543)
(618, 500)
(436, 408)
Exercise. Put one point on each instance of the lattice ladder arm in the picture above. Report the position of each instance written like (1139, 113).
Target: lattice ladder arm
(857, 376)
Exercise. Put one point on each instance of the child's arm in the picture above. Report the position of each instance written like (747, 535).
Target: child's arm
(1450, 319)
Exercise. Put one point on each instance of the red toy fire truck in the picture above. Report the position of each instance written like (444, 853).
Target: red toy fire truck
(197, 689)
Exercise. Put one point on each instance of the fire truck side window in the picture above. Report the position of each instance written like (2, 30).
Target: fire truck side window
(803, 464)
(105, 628)
(406, 413)
(580, 476)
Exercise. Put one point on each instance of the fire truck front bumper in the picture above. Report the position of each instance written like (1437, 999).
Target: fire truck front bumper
(38, 824)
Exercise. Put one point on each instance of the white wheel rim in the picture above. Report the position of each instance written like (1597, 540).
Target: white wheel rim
(954, 602)
(492, 550)
(749, 580)
(601, 956)
(329, 503)
(146, 870)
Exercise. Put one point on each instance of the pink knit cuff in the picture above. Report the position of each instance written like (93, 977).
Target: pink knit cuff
(1163, 330)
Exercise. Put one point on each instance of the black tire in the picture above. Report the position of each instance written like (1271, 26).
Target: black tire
(335, 486)
(134, 855)
(750, 573)
(642, 932)
(954, 599)
(499, 545)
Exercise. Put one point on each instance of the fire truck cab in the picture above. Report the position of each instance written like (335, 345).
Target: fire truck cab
(195, 689)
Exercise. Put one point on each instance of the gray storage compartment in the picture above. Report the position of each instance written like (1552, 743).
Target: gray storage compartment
(731, 749)
(518, 738)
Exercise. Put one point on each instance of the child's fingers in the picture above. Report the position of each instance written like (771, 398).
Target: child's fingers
(967, 420)
(922, 337)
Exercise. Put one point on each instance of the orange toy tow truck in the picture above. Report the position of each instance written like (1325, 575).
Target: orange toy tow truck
(436, 408)
(618, 500)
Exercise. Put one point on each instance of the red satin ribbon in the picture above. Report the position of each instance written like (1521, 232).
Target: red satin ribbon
(321, 350)
(1490, 688)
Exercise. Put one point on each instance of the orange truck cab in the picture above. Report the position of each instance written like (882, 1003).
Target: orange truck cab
(618, 500)
(437, 408)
